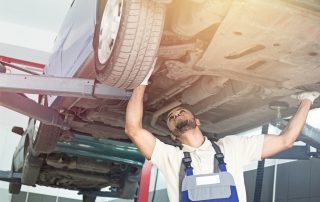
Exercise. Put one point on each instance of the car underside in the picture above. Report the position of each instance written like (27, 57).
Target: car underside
(227, 64)
(226, 61)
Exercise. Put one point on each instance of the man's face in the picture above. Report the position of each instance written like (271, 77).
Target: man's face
(180, 120)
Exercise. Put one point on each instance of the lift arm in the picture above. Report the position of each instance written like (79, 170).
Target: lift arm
(13, 84)
(30, 108)
(59, 86)
(10, 176)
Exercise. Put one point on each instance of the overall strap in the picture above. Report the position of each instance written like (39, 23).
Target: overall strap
(215, 146)
(218, 158)
(185, 167)
(215, 160)
(186, 160)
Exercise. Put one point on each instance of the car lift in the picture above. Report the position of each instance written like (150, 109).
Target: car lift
(13, 87)
(143, 195)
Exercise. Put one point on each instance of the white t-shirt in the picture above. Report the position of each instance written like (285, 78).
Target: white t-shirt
(237, 150)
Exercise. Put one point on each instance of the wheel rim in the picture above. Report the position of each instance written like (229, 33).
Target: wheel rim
(109, 28)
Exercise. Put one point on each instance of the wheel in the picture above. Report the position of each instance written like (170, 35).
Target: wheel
(14, 187)
(31, 169)
(129, 190)
(86, 198)
(127, 37)
(130, 185)
(46, 139)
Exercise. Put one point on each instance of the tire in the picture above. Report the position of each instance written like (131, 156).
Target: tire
(14, 187)
(86, 198)
(46, 139)
(31, 169)
(130, 185)
(129, 190)
(130, 53)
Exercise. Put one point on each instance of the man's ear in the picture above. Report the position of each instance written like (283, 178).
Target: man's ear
(198, 122)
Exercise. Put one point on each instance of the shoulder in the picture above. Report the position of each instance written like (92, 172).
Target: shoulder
(240, 139)
(244, 148)
(166, 157)
(226, 141)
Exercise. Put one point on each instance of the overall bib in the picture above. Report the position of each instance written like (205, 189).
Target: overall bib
(218, 186)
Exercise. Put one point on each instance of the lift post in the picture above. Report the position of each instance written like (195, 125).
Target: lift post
(145, 182)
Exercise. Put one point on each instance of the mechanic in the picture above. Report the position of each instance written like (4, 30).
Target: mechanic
(184, 127)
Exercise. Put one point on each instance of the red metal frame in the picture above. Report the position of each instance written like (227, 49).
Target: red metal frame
(23, 62)
(145, 182)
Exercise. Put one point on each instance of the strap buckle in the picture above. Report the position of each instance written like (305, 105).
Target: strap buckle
(187, 159)
(220, 158)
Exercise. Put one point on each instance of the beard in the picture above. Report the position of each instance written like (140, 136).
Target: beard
(184, 126)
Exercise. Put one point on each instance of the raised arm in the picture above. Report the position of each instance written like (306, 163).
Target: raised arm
(142, 138)
(274, 144)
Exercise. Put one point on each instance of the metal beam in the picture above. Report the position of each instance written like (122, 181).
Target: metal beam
(10, 176)
(13, 84)
(5, 59)
(59, 86)
(30, 108)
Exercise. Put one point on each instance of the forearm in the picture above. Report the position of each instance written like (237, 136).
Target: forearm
(276, 143)
(134, 112)
(295, 125)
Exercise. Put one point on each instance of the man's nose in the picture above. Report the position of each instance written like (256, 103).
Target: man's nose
(176, 114)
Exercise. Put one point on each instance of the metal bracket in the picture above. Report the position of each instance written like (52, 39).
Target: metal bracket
(10, 176)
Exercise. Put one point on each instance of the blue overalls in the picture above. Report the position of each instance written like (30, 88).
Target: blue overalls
(213, 187)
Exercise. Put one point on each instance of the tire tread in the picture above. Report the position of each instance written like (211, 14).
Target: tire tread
(138, 42)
